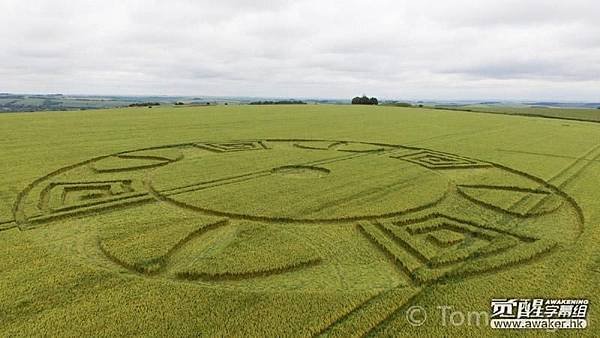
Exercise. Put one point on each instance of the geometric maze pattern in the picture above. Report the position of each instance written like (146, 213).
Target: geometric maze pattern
(233, 146)
(445, 237)
(436, 246)
(63, 196)
(437, 160)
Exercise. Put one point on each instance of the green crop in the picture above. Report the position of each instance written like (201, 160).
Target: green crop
(290, 220)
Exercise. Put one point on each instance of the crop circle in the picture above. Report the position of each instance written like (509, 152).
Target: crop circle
(292, 181)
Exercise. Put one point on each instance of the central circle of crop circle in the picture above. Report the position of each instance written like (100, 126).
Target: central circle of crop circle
(294, 181)
(301, 171)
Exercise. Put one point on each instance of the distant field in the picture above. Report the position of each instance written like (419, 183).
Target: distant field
(580, 114)
(59, 102)
(26, 103)
(291, 220)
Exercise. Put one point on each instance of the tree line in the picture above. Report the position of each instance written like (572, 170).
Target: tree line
(278, 102)
(144, 104)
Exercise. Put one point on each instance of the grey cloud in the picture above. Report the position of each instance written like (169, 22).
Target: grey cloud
(397, 49)
(508, 69)
(528, 70)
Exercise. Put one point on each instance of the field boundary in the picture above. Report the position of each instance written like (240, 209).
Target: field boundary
(466, 110)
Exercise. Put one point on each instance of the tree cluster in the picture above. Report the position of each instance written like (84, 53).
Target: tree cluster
(144, 104)
(365, 100)
(278, 102)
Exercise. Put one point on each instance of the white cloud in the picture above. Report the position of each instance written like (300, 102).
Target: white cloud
(528, 49)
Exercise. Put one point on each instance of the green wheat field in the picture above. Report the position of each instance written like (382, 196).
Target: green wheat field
(313, 220)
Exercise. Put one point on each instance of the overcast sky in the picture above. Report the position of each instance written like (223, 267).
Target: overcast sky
(417, 49)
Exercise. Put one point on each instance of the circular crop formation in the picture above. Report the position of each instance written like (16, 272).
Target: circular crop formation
(315, 214)
(299, 182)
(301, 171)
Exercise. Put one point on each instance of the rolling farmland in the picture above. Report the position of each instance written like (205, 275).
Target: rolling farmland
(313, 220)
